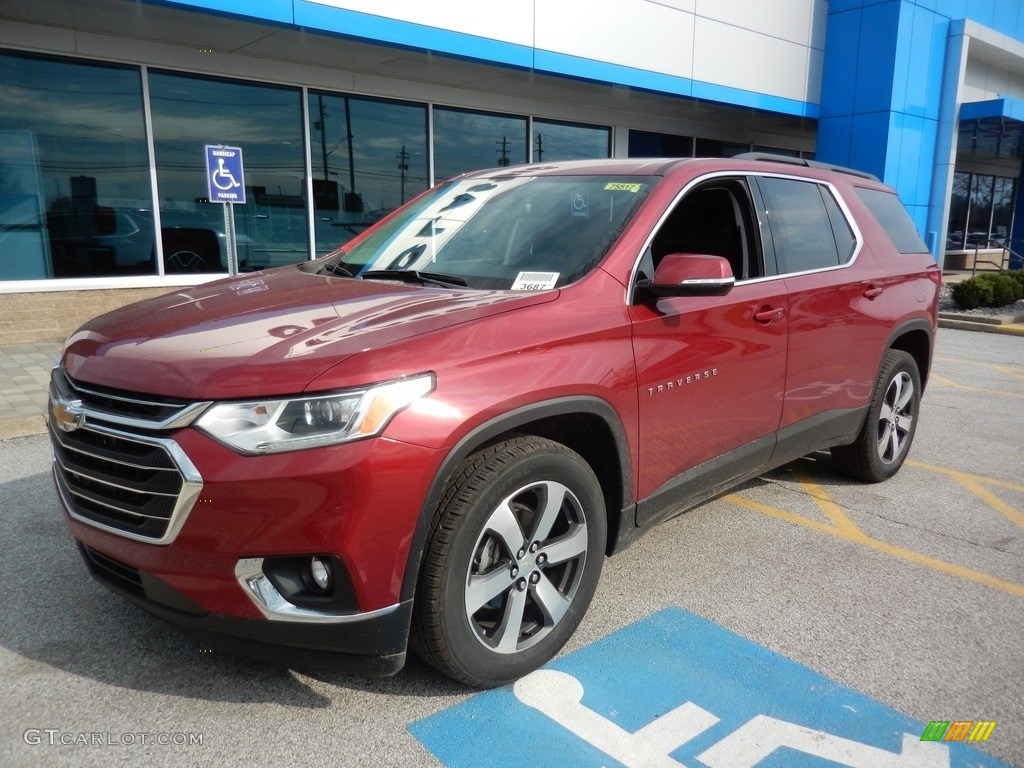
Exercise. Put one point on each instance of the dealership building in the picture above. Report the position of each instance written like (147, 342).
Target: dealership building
(344, 109)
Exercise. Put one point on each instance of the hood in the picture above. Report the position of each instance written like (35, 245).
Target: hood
(269, 333)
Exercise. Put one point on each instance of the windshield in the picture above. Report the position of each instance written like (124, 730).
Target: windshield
(512, 232)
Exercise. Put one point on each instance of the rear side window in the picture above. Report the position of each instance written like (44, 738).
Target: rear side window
(808, 229)
(887, 208)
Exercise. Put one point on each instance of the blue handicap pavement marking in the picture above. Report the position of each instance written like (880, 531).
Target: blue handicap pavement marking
(674, 690)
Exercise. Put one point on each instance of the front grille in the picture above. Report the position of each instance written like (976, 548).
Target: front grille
(125, 408)
(138, 485)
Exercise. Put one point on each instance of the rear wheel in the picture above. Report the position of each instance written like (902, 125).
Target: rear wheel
(513, 558)
(186, 262)
(884, 442)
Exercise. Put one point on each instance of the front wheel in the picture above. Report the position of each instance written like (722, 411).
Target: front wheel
(884, 442)
(512, 562)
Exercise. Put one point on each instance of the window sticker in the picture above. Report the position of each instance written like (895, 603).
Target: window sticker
(535, 281)
(579, 205)
(616, 186)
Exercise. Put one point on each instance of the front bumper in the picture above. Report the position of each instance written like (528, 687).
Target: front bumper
(356, 504)
(372, 644)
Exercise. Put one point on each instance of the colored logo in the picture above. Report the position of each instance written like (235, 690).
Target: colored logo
(958, 730)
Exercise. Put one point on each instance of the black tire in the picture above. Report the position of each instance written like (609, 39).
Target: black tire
(882, 446)
(504, 585)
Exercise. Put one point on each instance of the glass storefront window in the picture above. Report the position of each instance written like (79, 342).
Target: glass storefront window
(719, 148)
(190, 112)
(368, 158)
(649, 144)
(1002, 210)
(74, 181)
(467, 141)
(980, 211)
(958, 206)
(554, 141)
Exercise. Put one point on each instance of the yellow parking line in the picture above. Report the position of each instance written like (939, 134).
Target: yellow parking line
(827, 505)
(969, 475)
(842, 527)
(976, 485)
(939, 379)
(992, 366)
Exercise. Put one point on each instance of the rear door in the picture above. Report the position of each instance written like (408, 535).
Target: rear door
(839, 317)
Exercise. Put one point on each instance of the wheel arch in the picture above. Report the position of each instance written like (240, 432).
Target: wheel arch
(916, 338)
(587, 425)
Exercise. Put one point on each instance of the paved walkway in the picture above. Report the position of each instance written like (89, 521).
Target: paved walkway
(25, 373)
(24, 378)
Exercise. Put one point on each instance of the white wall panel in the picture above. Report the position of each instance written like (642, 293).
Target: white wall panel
(786, 19)
(633, 33)
(738, 58)
(510, 21)
(983, 82)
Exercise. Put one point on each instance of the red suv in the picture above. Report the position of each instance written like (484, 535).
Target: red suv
(433, 437)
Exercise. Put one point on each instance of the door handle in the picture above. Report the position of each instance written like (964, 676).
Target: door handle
(768, 314)
(872, 291)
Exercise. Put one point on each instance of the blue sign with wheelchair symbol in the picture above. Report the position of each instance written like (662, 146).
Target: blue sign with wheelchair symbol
(224, 175)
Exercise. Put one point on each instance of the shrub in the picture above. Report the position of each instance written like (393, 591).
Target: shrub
(1018, 275)
(972, 293)
(1005, 289)
(991, 290)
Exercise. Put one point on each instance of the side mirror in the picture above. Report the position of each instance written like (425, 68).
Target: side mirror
(688, 274)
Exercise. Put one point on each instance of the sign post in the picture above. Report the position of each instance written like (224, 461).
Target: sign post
(225, 182)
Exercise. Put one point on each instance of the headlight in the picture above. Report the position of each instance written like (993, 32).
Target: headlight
(270, 426)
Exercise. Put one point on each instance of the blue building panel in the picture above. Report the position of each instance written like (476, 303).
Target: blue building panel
(834, 135)
(279, 11)
(920, 54)
(743, 98)
(869, 143)
(604, 72)
(877, 61)
(839, 78)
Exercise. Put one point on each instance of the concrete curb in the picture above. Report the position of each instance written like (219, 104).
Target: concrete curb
(974, 325)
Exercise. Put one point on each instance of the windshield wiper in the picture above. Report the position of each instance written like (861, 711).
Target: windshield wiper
(414, 276)
(336, 269)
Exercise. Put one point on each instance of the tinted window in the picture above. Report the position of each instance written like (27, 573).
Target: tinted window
(75, 197)
(887, 208)
(466, 141)
(567, 141)
(845, 240)
(800, 224)
(713, 219)
(189, 112)
(369, 157)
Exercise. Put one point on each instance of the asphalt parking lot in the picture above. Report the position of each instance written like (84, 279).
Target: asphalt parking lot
(902, 603)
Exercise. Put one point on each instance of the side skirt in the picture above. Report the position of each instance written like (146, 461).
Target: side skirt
(714, 477)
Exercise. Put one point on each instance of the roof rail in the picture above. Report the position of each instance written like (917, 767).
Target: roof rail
(769, 157)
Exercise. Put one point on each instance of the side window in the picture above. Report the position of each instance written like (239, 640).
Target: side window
(890, 213)
(808, 229)
(846, 243)
(715, 219)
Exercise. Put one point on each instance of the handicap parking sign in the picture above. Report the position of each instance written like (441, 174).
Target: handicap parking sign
(675, 690)
(224, 174)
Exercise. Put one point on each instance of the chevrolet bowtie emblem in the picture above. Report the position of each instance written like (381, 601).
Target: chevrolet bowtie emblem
(67, 415)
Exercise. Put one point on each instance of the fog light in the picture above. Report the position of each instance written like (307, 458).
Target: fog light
(320, 573)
